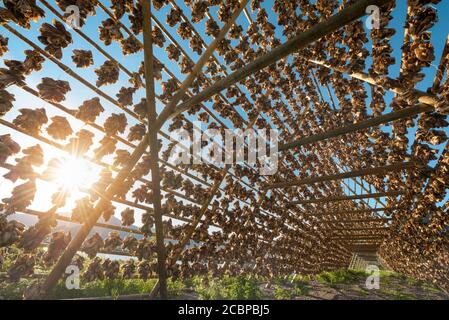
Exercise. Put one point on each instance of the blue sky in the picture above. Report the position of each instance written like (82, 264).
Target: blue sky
(79, 93)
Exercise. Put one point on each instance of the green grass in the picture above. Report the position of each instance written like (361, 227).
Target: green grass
(104, 288)
(14, 290)
(341, 276)
(228, 288)
(283, 293)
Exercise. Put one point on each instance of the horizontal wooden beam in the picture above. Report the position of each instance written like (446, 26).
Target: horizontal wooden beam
(320, 30)
(359, 237)
(362, 229)
(339, 176)
(356, 197)
(328, 213)
(373, 122)
(388, 83)
(367, 220)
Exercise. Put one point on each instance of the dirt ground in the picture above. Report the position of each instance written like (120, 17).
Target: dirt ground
(390, 288)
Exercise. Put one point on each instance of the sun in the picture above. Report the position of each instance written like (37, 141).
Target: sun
(73, 174)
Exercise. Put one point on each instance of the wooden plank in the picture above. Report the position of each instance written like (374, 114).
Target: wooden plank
(373, 122)
(357, 173)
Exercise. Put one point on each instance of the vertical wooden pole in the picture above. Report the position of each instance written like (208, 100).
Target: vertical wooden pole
(154, 152)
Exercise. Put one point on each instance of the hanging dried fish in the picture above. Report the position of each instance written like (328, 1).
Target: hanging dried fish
(158, 37)
(110, 31)
(53, 90)
(10, 231)
(184, 31)
(23, 12)
(94, 270)
(115, 124)
(121, 158)
(108, 73)
(78, 261)
(6, 100)
(212, 28)
(137, 132)
(111, 268)
(120, 7)
(33, 156)
(89, 110)
(82, 58)
(33, 61)
(10, 77)
(141, 108)
(107, 146)
(8, 147)
(129, 268)
(136, 18)
(30, 120)
(80, 145)
(85, 8)
(55, 37)
(127, 217)
(130, 45)
(59, 128)
(136, 80)
(125, 96)
(92, 245)
(23, 266)
(144, 249)
(143, 194)
(108, 211)
(199, 10)
(158, 4)
(224, 13)
(33, 236)
(83, 209)
(236, 31)
(173, 52)
(59, 241)
(147, 223)
(173, 18)
(196, 44)
(129, 243)
(144, 270)
(112, 241)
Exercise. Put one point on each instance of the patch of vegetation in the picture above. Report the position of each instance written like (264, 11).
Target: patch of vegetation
(341, 276)
(14, 290)
(287, 288)
(397, 295)
(228, 288)
(281, 293)
(104, 288)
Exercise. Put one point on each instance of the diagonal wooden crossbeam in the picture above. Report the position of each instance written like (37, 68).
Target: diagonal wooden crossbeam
(373, 122)
(358, 173)
(354, 197)
(322, 29)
